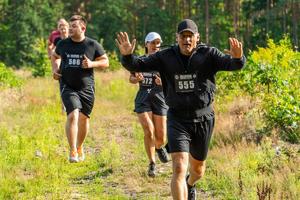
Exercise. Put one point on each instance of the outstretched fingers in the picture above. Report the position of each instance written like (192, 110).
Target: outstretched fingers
(236, 48)
(233, 42)
(126, 37)
(123, 43)
(117, 43)
(133, 45)
(240, 45)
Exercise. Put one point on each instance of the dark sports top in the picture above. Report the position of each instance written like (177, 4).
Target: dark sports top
(149, 80)
(72, 54)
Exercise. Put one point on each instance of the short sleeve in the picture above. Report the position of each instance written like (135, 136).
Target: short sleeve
(58, 48)
(99, 51)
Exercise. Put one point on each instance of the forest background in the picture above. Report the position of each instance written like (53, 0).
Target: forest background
(254, 152)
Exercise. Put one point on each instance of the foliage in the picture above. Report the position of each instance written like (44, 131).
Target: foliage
(249, 20)
(19, 29)
(272, 75)
(114, 62)
(33, 152)
(39, 58)
(275, 77)
(8, 78)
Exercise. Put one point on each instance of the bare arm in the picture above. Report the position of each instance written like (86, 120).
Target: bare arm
(55, 63)
(50, 48)
(100, 62)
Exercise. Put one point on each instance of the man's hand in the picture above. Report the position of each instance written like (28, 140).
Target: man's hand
(56, 75)
(124, 45)
(236, 48)
(86, 62)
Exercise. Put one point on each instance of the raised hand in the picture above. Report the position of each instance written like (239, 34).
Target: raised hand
(125, 46)
(236, 48)
(86, 62)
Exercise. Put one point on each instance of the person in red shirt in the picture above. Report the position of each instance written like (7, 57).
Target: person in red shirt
(54, 35)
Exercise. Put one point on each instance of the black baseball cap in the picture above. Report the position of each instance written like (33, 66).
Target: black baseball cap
(187, 25)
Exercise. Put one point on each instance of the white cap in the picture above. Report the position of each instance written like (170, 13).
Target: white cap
(152, 36)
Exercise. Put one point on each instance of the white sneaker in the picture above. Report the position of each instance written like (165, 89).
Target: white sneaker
(73, 158)
(81, 156)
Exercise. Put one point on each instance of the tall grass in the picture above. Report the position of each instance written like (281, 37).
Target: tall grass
(34, 150)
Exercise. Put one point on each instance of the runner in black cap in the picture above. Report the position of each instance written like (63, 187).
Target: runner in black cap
(151, 108)
(188, 77)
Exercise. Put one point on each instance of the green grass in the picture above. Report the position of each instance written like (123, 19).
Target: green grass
(34, 150)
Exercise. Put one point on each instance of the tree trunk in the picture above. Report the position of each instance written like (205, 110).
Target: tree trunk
(268, 16)
(295, 19)
(206, 21)
(236, 9)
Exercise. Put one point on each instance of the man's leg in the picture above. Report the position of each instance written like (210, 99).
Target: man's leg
(196, 170)
(72, 131)
(83, 129)
(178, 183)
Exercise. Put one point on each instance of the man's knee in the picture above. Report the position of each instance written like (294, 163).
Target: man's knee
(73, 116)
(180, 164)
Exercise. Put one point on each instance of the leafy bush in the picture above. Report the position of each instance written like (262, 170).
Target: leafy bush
(273, 76)
(8, 78)
(40, 60)
(114, 63)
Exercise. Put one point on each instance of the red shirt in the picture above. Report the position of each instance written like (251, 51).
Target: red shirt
(54, 34)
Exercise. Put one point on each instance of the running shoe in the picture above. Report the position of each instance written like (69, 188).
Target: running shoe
(167, 148)
(73, 158)
(81, 155)
(162, 155)
(191, 190)
(151, 170)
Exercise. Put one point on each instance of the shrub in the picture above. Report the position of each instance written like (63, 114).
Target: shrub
(41, 63)
(273, 76)
(8, 78)
(114, 63)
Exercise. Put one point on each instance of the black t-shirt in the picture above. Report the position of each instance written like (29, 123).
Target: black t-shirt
(56, 40)
(72, 54)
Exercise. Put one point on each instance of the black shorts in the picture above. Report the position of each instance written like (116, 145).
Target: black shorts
(150, 100)
(192, 137)
(82, 99)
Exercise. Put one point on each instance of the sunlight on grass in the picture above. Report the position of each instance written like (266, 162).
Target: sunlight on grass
(34, 150)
